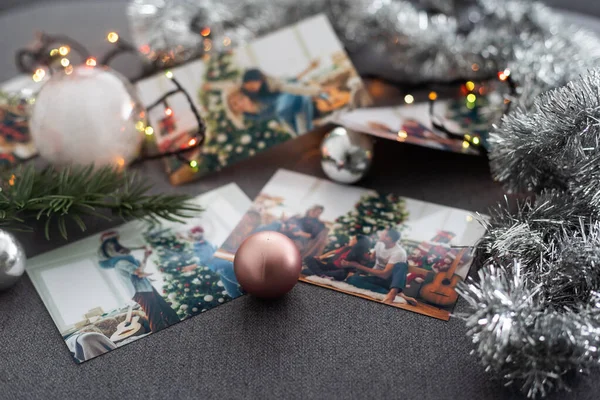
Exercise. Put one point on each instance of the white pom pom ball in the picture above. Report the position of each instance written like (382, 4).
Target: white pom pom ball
(86, 115)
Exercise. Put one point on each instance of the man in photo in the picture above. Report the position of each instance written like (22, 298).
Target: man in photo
(389, 271)
(113, 255)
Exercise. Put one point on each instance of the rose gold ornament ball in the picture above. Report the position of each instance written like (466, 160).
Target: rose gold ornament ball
(267, 264)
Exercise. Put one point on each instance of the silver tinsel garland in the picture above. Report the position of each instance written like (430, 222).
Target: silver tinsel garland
(538, 321)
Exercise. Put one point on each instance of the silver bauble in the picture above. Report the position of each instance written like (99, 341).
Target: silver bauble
(346, 155)
(12, 260)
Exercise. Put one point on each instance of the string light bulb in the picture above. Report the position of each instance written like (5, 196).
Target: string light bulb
(65, 62)
(470, 85)
(64, 50)
(38, 75)
(169, 74)
(402, 134)
(53, 52)
(471, 98)
(476, 140)
(112, 37)
(149, 131)
(503, 75)
(226, 41)
(433, 96)
(168, 111)
(90, 62)
(465, 144)
(194, 164)
(205, 31)
(69, 70)
(140, 126)
(409, 99)
(192, 142)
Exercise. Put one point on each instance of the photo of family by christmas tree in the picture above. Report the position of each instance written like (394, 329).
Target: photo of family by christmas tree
(254, 97)
(382, 247)
(129, 282)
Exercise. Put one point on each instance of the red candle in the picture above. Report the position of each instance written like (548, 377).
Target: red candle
(267, 264)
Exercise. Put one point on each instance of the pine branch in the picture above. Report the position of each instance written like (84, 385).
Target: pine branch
(53, 195)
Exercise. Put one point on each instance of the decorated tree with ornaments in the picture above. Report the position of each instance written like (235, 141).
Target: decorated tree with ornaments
(228, 142)
(372, 214)
(191, 288)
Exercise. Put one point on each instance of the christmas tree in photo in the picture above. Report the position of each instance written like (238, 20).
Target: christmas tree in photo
(372, 214)
(190, 287)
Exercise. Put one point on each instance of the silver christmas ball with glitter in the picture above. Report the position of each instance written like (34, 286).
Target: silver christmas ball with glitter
(346, 155)
(12, 260)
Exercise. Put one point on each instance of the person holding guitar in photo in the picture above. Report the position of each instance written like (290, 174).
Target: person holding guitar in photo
(390, 268)
(113, 255)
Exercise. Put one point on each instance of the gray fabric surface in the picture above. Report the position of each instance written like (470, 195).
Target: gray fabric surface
(314, 343)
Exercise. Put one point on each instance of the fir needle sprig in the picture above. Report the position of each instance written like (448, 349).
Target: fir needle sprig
(54, 195)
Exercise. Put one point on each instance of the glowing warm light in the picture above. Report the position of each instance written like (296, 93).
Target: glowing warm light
(470, 106)
(169, 74)
(145, 49)
(65, 62)
(465, 145)
(402, 134)
(36, 78)
(469, 218)
(207, 44)
(69, 70)
(205, 31)
(475, 67)
(192, 142)
(149, 131)
(90, 62)
(64, 50)
(432, 96)
(470, 86)
(193, 163)
(11, 181)
(409, 99)
(468, 137)
(506, 72)
(40, 72)
(502, 76)
(120, 161)
(475, 140)
(140, 126)
(53, 52)
(471, 98)
(226, 41)
(168, 111)
(112, 37)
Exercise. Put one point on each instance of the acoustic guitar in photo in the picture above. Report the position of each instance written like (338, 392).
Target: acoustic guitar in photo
(442, 290)
(332, 99)
(128, 328)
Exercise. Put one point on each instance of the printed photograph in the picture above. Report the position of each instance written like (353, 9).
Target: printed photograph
(252, 98)
(413, 123)
(397, 251)
(16, 97)
(117, 287)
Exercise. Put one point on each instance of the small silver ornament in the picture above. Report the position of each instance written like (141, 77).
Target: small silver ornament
(12, 260)
(346, 155)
